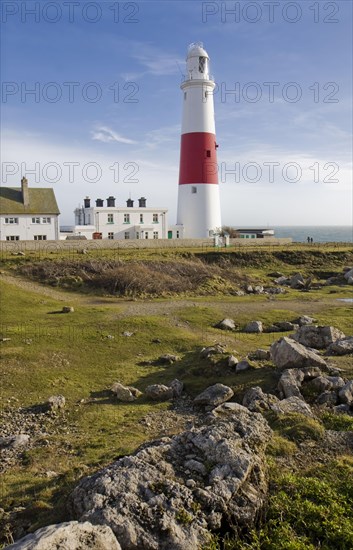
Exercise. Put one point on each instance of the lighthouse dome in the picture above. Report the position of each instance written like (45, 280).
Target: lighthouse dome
(196, 49)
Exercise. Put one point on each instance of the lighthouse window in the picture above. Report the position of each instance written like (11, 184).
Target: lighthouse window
(193, 190)
(202, 63)
(208, 153)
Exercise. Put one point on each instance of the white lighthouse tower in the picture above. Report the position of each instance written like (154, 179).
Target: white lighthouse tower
(199, 209)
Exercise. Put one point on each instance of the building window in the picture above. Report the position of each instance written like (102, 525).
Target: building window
(193, 190)
(208, 153)
(11, 220)
(127, 235)
(46, 220)
(126, 218)
(146, 235)
(137, 235)
(141, 218)
(110, 218)
(35, 220)
(202, 63)
(111, 235)
(155, 234)
(177, 234)
(12, 238)
(40, 237)
(155, 218)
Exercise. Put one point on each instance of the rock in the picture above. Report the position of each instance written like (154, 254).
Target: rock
(342, 346)
(177, 387)
(327, 398)
(260, 354)
(275, 274)
(282, 280)
(167, 359)
(56, 402)
(312, 336)
(5, 339)
(310, 373)
(67, 309)
(258, 401)
(342, 409)
(258, 289)
(214, 395)
(297, 281)
(150, 502)
(304, 320)
(336, 382)
(159, 392)
(128, 334)
(232, 361)
(290, 382)
(272, 328)
(227, 409)
(286, 326)
(348, 274)
(196, 466)
(243, 365)
(71, 536)
(125, 393)
(14, 441)
(350, 281)
(226, 324)
(249, 289)
(254, 326)
(346, 393)
(205, 353)
(319, 384)
(287, 353)
(292, 405)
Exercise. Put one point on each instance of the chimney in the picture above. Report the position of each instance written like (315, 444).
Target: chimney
(111, 201)
(130, 203)
(87, 202)
(99, 203)
(142, 202)
(25, 193)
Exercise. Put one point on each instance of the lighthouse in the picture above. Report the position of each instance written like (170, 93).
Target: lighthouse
(199, 211)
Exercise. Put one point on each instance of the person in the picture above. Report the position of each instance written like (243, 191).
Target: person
(308, 239)
(311, 240)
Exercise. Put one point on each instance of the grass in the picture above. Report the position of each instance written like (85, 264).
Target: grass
(81, 354)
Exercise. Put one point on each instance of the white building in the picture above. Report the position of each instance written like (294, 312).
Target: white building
(120, 222)
(28, 214)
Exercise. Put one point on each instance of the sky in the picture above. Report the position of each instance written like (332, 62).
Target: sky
(91, 103)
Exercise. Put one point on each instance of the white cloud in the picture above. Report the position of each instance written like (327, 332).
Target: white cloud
(106, 135)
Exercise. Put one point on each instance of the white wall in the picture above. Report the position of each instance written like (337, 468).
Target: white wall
(26, 230)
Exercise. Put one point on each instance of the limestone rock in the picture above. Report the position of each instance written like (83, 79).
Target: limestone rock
(290, 382)
(313, 336)
(243, 365)
(327, 398)
(125, 393)
(232, 361)
(226, 324)
(214, 395)
(177, 387)
(348, 274)
(56, 402)
(69, 536)
(346, 393)
(14, 441)
(292, 405)
(260, 354)
(287, 353)
(167, 359)
(150, 501)
(205, 353)
(341, 347)
(286, 325)
(159, 392)
(68, 309)
(254, 326)
(304, 320)
(258, 401)
(297, 281)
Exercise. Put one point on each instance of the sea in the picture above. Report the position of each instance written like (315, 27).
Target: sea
(319, 234)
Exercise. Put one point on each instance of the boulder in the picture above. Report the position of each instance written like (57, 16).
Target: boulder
(232, 361)
(319, 384)
(290, 382)
(292, 405)
(304, 320)
(260, 354)
(56, 402)
(313, 336)
(327, 398)
(342, 346)
(67, 309)
(167, 359)
(159, 392)
(286, 325)
(258, 289)
(14, 441)
(282, 280)
(205, 353)
(69, 536)
(346, 393)
(272, 328)
(125, 393)
(297, 281)
(348, 274)
(258, 401)
(177, 387)
(243, 365)
(254, 326)
(287, 353)
(214, 395)
(310, 373)
(226, 324)
(173, 492)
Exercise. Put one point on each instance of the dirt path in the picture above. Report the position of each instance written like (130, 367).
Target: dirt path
(133, 308)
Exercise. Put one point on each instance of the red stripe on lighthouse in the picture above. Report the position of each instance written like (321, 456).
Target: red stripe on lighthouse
(198, 158)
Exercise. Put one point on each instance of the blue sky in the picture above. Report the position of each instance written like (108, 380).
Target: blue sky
(118, 134)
